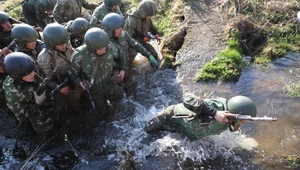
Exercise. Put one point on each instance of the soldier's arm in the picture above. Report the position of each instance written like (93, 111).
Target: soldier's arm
(44, 62)
(137, 45)
(18, 102)
(95, 18)
(153, 29)
(59, 12)
(75, 67)
(130, 26)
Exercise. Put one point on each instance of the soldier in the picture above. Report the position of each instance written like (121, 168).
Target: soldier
(66, 10)
(58, 53)
(102, 10)
(77, 30)
(3, 75)
(21, 97)
(96, 60)
(112, 25)
(211, 116)
(38, 12)
(139, 23)
(6, 25)
(27, 40)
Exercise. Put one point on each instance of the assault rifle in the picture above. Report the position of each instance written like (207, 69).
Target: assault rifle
(54, 92)
(151, 36)
(11, 47)
(43, 85)
(87, 88)
(237, 117)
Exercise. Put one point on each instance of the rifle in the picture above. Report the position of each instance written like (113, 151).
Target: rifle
(240, 117)
(237, 117)
(11, 47)
(87, 88)
(151, 36)
(43, 85)
(54, 92)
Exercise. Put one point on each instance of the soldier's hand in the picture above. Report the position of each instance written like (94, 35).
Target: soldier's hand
(82, 84)
(221, 116)
(5, 51)
(39, 99)
(158, 38)
(65, 90)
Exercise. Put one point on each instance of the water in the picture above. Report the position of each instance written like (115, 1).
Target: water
(259, 145)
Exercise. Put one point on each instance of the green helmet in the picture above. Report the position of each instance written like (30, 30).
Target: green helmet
(96, 38)
(111, 22)
(79, 26)
(242, 105)
(18, 65)
(55, 34)
(147, 8)
(24, 33)
(111, 3)
(3, 16)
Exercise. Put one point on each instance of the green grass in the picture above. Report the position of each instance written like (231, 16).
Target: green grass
(226, 66)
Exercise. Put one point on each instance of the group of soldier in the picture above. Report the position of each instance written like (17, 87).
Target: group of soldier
(76, 64)
(48, 68)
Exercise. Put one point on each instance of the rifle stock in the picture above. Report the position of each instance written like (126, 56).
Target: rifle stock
(87, 88)
(151, 36)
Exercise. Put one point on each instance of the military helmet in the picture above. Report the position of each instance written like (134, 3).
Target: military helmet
(147, 8)
(55, 34)
(111, 22)
(241, 105)
(24, 33)
(18, 65)
(3, 16)
(96, 38)
(111, 3)
(79, 26)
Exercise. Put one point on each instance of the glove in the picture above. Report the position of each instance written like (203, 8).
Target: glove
(158, 38)
(146, 39)
(39, 99)
(153, 61)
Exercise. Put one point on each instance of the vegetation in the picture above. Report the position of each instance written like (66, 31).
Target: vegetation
(226, 66)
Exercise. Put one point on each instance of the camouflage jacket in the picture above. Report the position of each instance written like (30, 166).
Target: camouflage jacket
(48, 59)
(99, 13)
(137, 27)
(66, 10)
(198, 127)
(19, 97)
(2, 78)
(127, 42)
(85, 61)
(37, 7)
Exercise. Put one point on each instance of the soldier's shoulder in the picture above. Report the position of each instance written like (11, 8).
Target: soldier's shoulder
(44, 55)
(8, 84)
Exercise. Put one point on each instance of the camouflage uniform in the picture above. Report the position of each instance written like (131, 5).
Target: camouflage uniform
(102, 89)
(66, 10)
(3, 107)
(20, 100)
(200, 127)
(137, 27)
(99, 14)
(34, 12)
(128, 43)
